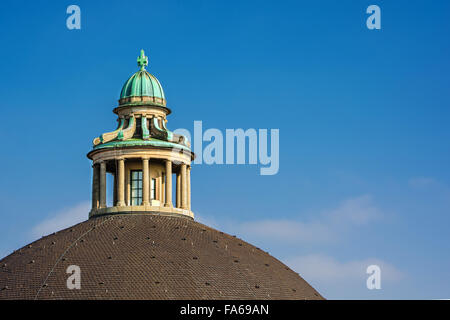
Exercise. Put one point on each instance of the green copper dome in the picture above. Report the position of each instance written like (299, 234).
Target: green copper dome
(142, 83)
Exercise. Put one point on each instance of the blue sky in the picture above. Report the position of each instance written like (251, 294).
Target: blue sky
(363, 117)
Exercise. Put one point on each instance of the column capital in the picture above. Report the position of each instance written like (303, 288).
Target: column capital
(99, 162)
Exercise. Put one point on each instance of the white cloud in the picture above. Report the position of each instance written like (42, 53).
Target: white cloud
(287, 231)
(292, 237)
(62, 219)
(421, 182)
(329, 226)
(323, 268)
(355, 211)
(208, 221)
(344, 280)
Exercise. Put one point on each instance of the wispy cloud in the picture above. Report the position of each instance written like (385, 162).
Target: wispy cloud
(343, 279)
(326, 269)
(433, 194)
(206, 220)
(421, 182)
(354, 211)
(328, 226)
(62, 219)
(289, 237)
(287, 231)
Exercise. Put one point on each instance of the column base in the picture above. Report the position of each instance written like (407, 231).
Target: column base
(141, 210)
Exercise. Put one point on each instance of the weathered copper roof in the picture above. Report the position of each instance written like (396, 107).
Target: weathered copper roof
(142, 83)
(147, 257)
(140, 142)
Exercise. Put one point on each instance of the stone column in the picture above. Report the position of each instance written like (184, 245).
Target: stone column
(121, 183)
(183, 187)
(103, 184)
(188, 178)
(95, 185)
(145, 182)
(168, 184)
(163, 188)
(178, 191)
(115, 189)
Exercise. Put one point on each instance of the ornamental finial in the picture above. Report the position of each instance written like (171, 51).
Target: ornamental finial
(142, 60)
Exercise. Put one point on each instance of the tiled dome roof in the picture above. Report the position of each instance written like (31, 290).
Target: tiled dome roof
(147, 256)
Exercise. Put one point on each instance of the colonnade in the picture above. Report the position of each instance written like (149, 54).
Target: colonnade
(183, 184)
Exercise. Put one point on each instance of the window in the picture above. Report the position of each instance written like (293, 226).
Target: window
(153, 190)
(138, 131)
(136, 187)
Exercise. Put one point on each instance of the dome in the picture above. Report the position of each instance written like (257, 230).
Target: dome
(147, 256)
(142, 86)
